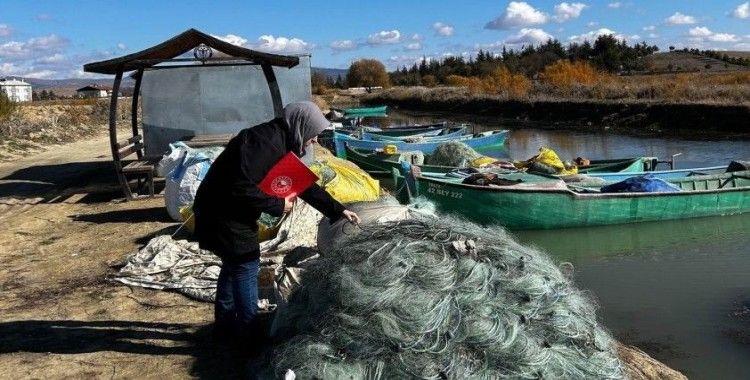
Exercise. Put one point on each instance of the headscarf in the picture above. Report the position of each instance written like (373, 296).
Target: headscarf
(304, 121)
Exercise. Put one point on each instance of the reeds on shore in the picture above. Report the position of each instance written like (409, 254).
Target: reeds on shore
(579, 81)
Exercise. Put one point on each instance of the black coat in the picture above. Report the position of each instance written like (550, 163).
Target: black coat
(228, 202)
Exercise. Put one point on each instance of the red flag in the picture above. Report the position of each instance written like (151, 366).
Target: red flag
(288, 178)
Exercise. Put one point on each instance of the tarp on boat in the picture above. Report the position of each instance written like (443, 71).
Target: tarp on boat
(641, 184)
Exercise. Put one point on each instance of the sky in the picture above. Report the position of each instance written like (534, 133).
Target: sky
(53, 39)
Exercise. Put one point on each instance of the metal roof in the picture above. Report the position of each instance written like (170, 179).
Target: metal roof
(179, 45)
(13, 82)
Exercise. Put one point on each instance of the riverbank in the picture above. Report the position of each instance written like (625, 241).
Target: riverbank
(636, 117)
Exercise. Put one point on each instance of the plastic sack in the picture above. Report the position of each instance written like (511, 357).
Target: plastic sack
(548, 162)
(187, 167)
(482, 161)
(346, 184)
(268, 226)
(641, 184)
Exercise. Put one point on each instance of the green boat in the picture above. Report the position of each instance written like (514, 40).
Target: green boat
(365, 110)
(550, 204)
(379, 163)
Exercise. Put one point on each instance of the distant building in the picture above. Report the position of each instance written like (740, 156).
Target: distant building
(16, 90)
(94, 91)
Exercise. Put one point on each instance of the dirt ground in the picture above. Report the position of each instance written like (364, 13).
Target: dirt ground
(64, 232)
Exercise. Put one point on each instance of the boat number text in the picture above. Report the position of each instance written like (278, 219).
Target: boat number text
(445, 193)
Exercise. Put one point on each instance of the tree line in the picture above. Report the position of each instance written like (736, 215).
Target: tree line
(607, 53)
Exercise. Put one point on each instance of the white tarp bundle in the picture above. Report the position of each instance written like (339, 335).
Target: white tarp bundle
(184, 168)
(165, 263)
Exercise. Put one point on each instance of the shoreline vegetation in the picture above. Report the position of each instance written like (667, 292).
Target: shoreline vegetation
(704, 117)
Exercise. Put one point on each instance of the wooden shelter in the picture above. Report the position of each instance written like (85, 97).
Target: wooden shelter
(168, 55)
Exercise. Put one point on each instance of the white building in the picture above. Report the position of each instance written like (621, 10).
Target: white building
(94, 91)
(16, 90)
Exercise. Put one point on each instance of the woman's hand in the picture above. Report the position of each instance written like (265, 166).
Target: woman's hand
(288, 205)
(351, 216)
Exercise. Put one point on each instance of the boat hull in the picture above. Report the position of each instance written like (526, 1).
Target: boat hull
(489, 141)
(528, 208)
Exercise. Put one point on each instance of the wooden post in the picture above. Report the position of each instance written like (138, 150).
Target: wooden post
(113, 136)
(134, 108)
(273, 86)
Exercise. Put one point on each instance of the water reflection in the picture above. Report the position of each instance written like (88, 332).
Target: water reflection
(524, 143)
(583, 244)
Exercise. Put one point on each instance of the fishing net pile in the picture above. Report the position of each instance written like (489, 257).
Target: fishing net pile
(453, 153)
(439, 298)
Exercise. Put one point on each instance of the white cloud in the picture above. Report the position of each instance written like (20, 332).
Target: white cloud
(384, 37)
(232, 39)
(413, 46)
(653, 35)
(702, 33)
(592, 24)
(417, 37)
(34, 47)
(649, 28)
(528, 36)
(442, 29)
(680, 19)
(594, 34)
(281, 44)
(269, 43)
(615, 5)
(405, 60)
(634, 37)
(52, 59)
(122, 46)
(343, 45)
(742, 11)
(724, 37)
(517, 14)
(565, 11)
(5, 30)
(10, 69)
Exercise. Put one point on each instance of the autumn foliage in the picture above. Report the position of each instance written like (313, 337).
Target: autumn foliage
(367, 73)
(500, 82)
(564, 73)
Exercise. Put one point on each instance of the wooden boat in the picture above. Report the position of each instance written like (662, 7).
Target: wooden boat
(663, 174)
(445, 133)
(479, 141)
(379, 163)
(550, 204)
(363, 110)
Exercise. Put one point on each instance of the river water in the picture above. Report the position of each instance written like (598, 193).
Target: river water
(679, 290)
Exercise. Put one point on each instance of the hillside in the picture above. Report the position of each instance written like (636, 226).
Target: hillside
(683, 61)
(330, 73)
(67, 87)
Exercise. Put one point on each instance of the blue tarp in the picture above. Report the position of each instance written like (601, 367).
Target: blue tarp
(641, 184)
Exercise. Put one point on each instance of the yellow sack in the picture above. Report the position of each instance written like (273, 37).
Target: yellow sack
(548, 157)
(482, 161)
(265, 232)
(345, 183)
(186, 212)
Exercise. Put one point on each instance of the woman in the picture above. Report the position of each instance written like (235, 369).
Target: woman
(228, 204)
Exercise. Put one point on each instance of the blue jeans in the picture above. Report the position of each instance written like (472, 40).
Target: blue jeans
(237, 295)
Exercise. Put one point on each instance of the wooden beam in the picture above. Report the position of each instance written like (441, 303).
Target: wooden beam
(273, 86)
(113, 136)
(134, 108)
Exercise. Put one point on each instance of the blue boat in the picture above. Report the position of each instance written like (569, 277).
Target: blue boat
(445, 133)
(479, 141)
(663, 174)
